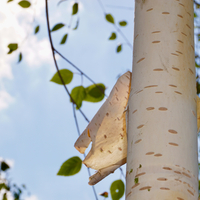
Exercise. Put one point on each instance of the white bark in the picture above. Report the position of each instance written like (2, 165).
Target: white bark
(107, 132)
(162, 139)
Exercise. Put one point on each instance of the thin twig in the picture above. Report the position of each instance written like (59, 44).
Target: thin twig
(122, 173)
(125, 38)
(101, 5)
(73, 65)
(55, 62)
(78, 130)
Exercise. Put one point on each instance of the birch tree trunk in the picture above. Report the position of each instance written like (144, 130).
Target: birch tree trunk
(162, 124)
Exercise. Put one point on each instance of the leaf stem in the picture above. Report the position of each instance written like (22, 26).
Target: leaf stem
(55, 62)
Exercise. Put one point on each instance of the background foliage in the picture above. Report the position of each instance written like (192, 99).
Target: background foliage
(91, 92)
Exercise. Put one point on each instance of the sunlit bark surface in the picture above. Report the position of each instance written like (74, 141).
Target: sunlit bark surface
(162, 132)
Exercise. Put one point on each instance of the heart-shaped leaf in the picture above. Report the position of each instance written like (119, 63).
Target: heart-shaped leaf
(66, 75)
(75, 9)
(95, 92)
(117, 189)
(113, 36)
(37, 28)
(78, 94)
(20, 57)
(110, 18)
(64, 39)
(24, 4)
(57, 27)
(123, 23)
(4, 166)
(70, 167)
(119, 48)
(12, 47)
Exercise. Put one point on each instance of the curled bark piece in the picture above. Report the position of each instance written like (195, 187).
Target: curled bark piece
(102, 173)
(107, 130)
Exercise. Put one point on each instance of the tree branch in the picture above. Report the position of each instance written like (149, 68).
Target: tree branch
(77, 126)
(82, 73)
(55, 62)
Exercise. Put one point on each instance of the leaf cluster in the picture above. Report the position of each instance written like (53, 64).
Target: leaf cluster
(93, 93)
(7, 186)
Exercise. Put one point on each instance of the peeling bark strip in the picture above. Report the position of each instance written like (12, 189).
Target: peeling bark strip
(107, 133)
(161, 134)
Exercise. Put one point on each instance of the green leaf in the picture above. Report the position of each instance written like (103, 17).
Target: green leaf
(117, 189)
(78, 94)
(123, 23)
(57, 27)
(20, 57)
(196, 65)
(66, 75)
(64, 39)
(113, 36)
(9, 1)
(77, 23)
(110, 18)
(12, 47)
(3, 186)
(195, 15)
(4, 166)
(37, 28)
(70, 167)
(24, 4)
(75, 9)
(95, 93)
(4, 196)
(119, 48)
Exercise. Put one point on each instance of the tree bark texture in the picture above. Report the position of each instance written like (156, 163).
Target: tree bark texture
(162, 158)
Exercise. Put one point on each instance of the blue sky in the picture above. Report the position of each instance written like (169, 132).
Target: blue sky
(37, 125)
